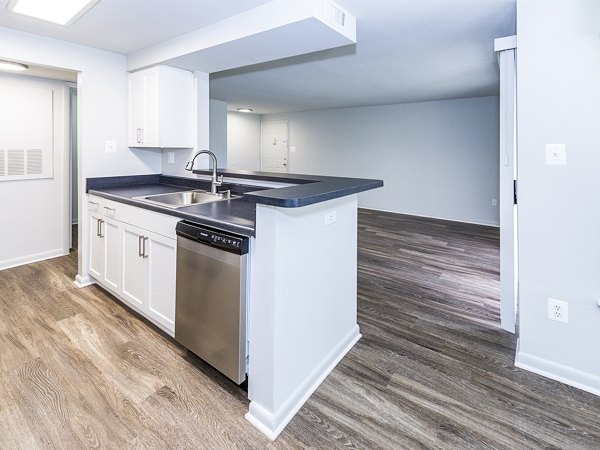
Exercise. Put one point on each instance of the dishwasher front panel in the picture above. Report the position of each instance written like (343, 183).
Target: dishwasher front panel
(210, 315)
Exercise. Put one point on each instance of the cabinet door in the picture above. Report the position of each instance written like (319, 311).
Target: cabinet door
(135, 266)
(111, 231)
(96, 248)
(162, 258)
(136, 109)
(150, 134)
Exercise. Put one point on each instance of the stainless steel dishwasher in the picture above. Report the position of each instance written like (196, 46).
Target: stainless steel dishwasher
(210, 312)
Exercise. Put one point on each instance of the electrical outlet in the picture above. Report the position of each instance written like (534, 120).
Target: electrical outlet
(330, 217)
(171, 157)
(558, 310)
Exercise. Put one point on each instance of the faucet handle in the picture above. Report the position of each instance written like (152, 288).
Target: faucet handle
(219, 181)
(189, 165)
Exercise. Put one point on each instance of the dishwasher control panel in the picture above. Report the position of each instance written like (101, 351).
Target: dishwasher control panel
(216, 238)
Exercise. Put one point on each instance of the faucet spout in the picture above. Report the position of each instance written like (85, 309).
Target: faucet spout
(215, 181)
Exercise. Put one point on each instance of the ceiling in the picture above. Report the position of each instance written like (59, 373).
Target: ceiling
(407, 50)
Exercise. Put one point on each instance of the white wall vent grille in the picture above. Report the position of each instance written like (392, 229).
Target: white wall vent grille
(35, 162)
(16, 163)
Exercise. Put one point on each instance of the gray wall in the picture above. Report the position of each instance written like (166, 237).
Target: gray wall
(437, 159)
(558, 70)
(243, 141)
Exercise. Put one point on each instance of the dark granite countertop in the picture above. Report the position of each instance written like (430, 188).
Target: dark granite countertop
(308, 189)
(235, 215)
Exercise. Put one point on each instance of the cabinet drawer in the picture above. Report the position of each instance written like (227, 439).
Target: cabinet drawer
(104, 207)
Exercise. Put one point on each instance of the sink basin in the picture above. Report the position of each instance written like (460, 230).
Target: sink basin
(186, 198)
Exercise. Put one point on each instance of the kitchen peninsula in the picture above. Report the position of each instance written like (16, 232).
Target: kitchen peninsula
(302, 277)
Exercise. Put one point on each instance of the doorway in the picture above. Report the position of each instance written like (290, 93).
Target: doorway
(274, 148)
(73, 184)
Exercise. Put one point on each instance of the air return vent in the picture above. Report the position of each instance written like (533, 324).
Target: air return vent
(34, 162)
(15, 163)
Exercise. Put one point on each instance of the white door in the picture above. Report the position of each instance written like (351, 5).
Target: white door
(162, 257)
(274, 146)
(135, 266)
(508, 208)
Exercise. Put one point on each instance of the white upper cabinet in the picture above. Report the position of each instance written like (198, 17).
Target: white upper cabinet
(161, 108)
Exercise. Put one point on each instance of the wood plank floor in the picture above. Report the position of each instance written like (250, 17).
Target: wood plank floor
(433, 369)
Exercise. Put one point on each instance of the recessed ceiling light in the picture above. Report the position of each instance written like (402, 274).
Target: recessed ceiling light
(12, 66)
(244, 110)
(62, 12)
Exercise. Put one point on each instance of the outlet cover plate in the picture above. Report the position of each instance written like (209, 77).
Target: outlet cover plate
(558, 310)
(556, 154)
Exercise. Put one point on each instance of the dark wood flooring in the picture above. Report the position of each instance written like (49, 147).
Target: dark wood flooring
(433, 369)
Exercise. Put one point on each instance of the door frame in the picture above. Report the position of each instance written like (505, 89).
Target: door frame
(506, 49)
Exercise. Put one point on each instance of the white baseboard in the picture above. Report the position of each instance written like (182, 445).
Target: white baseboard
(473, 222)
(272, 424)
(82, 282)
(559, 372)
(28, 259)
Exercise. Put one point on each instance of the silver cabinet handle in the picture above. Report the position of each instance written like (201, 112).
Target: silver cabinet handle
(108, 208)
(144, 254)
(93, 203)
(100, 222)
(138, 135)
(140, 243)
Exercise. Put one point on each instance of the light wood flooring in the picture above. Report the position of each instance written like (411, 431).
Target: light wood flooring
(433, 369)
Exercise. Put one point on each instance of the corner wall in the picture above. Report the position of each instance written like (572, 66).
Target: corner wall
(558, 84)
(437, 159)
(102, 109)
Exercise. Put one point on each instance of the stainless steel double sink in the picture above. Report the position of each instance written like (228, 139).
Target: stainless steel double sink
(186, 198)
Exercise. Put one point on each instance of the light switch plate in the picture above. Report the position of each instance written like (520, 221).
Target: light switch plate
(110, 146)
(556, 154)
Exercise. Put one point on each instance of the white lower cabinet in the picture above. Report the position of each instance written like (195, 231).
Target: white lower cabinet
(105, 244)
(149, 273)
(137, 265)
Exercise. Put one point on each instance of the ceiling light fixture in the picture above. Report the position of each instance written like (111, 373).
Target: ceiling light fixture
(12, 66)
(62, 12)
(244, 110)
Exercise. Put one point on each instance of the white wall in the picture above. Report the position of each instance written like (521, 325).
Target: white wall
(35, 212)
(243, 141)
(437, 159)
(218, 131)
(102, 106)
(558, 70)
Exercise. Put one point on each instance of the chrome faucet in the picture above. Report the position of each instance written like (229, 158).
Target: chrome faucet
(216, 181)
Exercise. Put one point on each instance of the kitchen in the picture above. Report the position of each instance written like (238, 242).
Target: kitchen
(103, 92)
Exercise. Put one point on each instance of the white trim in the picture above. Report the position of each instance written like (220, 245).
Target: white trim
(472, 222)
(505, 43)
(559, 372)
(82, 282)
(28, 259)
(272, 424)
